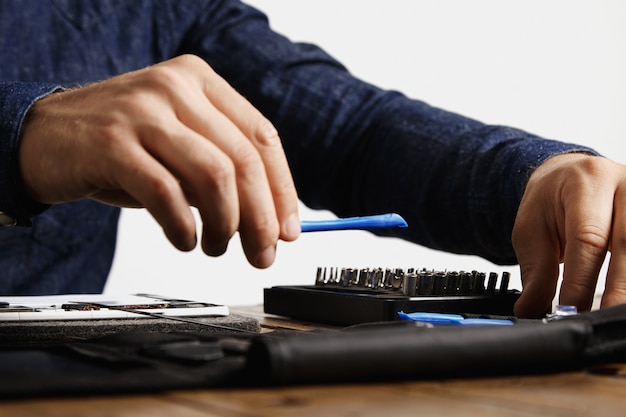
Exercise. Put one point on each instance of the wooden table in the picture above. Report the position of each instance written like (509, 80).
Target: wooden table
(595, 392)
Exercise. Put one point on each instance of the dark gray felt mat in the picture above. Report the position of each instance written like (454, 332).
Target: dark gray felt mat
(74, 330)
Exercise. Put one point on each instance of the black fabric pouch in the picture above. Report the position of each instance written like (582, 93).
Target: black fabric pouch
(133, 362)
(404, 351)
(128, 362)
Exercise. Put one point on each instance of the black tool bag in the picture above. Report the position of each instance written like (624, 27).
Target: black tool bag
(128, 362)
(149, 361)
(402, 351)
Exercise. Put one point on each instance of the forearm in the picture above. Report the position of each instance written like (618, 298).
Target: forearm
(356, 149)
(458, 182)
(15, 100)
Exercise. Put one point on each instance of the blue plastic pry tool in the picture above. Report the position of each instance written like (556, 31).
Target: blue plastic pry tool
(452, 319)
(378, 221)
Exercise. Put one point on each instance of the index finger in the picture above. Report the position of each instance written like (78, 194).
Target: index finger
(587, 229)
(538, 255)
(266, 140)
(615, 288)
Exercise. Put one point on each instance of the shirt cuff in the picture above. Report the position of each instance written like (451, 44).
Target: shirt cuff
(16, 98)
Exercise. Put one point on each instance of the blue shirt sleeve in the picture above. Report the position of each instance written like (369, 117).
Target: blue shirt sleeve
(353, 148)
(356, 149)
(15, 100)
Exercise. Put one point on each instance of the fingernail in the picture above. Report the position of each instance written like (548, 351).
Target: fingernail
(292, 227)
(266, 257)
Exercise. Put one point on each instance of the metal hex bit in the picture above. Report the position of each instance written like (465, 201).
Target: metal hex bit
(504, 282)
(479, 283)
(452, 286)
(465, 283)
(425, 283)
(439, 283)
(409, 284)
(491, 285)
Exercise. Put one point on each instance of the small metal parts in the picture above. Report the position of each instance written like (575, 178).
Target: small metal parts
(376, 278)
(348, 296)
(413, 282)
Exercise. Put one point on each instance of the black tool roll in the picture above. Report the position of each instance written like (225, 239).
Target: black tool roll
(403, 351)
(406, 353)
(150, 361)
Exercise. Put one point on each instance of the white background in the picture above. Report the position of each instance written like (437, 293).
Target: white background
(554, 68)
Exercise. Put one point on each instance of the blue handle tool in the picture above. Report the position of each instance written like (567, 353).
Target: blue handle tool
(452, 319)
(378, 221)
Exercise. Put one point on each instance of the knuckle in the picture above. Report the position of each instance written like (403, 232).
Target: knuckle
(219, 175)
(265, 227)
(246, 157)
(162, 189)
(593, 238)
(109, 137)
(265, 134)
(214, 181)
(162, 77)
(191, 60)
(194, 68)
(135, 104)
(285, 193)
(596, 166)
(166, 78)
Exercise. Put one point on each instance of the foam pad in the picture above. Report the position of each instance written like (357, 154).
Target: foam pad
(76, 330)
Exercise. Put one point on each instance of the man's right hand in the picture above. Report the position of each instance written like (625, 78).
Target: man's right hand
(166, 137)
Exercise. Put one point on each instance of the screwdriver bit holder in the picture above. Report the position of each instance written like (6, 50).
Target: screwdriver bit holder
(349, 296)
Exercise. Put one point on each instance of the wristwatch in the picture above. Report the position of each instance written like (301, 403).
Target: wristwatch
(6, 220)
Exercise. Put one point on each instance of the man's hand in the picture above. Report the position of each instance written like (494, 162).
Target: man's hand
(573, 211)
(166, 137)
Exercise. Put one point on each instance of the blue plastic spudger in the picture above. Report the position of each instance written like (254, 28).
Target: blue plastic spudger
(453, 319)
(378, 221)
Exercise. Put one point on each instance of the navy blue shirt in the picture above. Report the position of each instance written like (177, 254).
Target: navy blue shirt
(353, 148)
